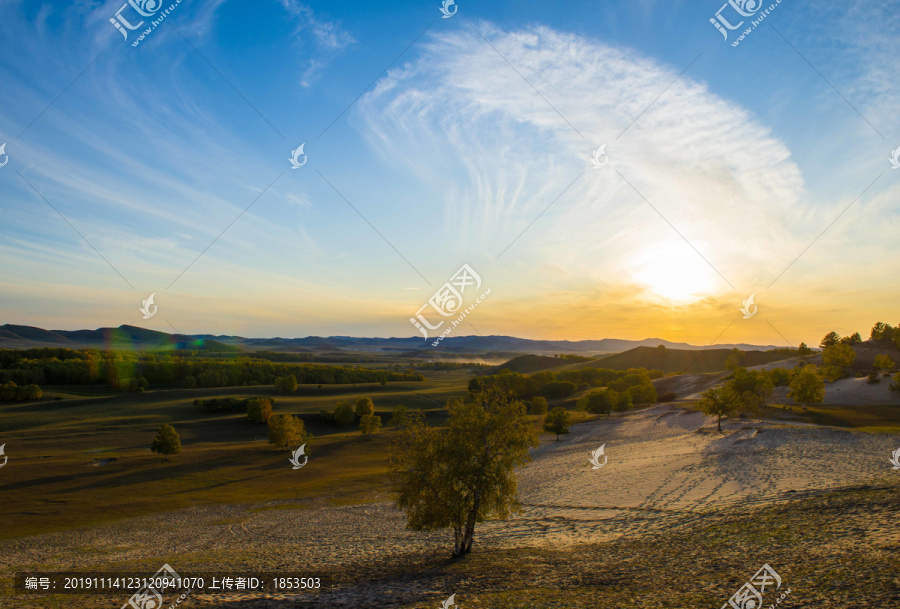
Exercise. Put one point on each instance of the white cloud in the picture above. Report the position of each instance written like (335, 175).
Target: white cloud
(328, 35)
(497, 154)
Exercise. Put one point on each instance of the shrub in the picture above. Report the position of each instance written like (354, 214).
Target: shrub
(8, 391)
(832, 373)
(873, 378)
(189, 382)
(27, 392)
(838, 355)
(286, 385)
(599, 401)
(644, 393)
(369, 423)
(399, 416)
(895, 386)
(559, 389)
(259, 410)
(668, 396)
(343, 414)
(807, 387)
(221, 404)
(781, 377)
(624, 402)
(325, 418)
(883, 362)
(538, 406)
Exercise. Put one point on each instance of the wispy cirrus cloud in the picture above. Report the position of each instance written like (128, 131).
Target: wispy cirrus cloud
(495, 154)
(460, 118)
(328, 35)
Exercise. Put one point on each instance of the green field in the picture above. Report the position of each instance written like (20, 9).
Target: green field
(54, 446)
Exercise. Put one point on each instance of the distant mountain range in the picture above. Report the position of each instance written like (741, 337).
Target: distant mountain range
(132, 337)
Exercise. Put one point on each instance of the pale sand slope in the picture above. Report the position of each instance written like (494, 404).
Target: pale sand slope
(850, 392)
(660, 473)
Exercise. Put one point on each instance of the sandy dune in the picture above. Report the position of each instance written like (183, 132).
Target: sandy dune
(661, 473)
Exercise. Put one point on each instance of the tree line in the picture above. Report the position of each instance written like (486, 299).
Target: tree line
(565, 383)
(91, 366)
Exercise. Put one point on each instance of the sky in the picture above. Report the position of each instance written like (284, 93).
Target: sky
(162, 165)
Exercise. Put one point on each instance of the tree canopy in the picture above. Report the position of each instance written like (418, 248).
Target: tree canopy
(807, 387)
(466, 474)
(167, 442)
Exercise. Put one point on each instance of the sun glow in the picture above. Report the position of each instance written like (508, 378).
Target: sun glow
(674, 272)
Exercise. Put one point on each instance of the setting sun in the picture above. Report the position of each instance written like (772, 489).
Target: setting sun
(674, 272)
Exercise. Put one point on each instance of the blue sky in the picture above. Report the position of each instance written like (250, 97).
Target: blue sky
(730, 171)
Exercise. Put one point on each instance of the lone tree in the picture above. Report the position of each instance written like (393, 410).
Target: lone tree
(720, 402)
(286, 430)
(365, 406)
(259, 410)
(557, 421)
(466, 474)
(343, 413)
(807, 387)
(166, 442)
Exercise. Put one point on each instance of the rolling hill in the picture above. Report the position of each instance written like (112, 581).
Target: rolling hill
(124, 337)
(132, 337)
(678, 360)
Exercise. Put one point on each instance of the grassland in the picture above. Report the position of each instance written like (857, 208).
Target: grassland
(55, 448)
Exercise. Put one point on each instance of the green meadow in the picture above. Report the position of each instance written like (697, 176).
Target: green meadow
(59, 479)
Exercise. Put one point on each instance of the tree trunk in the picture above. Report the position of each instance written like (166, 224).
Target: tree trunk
(720, 423)
(469, 529)
(457, 541)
